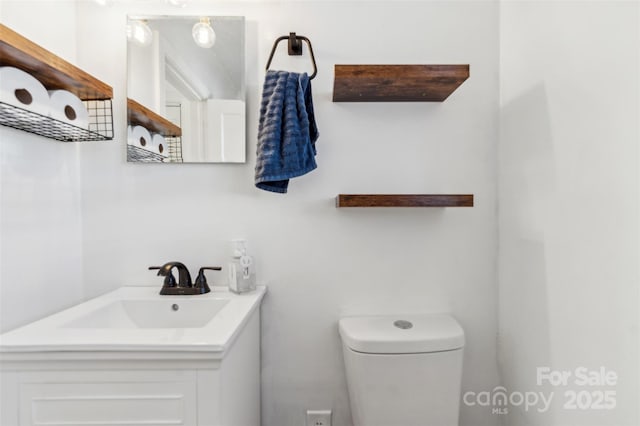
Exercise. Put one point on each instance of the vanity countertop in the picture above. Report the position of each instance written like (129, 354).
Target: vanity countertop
(138, 319)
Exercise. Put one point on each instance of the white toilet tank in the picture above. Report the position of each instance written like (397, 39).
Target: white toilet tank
(403, 370)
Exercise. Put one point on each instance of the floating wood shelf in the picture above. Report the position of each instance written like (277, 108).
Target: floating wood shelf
(52, 71)
(139, 115)
(404, 200)
(397, 83)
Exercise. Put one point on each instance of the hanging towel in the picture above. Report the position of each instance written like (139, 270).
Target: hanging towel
(287, 131)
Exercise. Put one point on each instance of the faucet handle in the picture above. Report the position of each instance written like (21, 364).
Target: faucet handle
(169, 280)
(201, 280)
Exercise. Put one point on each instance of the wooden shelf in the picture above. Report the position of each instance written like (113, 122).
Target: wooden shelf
(52, 71)
(139, 115)
(404, 200)
(397, 83)
(55, 74)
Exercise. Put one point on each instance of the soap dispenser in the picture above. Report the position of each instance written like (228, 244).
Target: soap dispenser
(242, 275)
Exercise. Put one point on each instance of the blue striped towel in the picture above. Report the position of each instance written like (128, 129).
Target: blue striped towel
(287, 131)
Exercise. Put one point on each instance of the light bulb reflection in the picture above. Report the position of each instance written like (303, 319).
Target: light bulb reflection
(178, 3)
(203, 34)
(139, 33)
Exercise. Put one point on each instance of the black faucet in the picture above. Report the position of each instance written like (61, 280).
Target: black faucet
(184, 277)
(184, 285)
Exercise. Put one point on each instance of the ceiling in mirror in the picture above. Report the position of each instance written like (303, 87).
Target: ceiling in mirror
(186, 89)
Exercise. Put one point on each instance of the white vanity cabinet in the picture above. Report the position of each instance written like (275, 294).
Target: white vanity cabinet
(113, 397)
(188, 387)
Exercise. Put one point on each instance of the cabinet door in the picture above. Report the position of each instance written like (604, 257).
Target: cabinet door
(108, 403)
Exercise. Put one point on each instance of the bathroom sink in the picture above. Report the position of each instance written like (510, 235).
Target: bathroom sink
(191, 313)
(138, 319)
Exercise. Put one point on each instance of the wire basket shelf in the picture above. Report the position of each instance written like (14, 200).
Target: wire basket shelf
(172, 154)
(100, 126)
(141, 155)
(174, 149)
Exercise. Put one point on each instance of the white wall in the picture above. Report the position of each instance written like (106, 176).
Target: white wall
(40, 209)
(320, 261)
(568, 191)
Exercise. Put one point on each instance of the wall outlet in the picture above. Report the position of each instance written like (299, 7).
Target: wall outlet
(318, 417)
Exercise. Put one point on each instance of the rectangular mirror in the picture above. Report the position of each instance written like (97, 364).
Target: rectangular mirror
(186, 89)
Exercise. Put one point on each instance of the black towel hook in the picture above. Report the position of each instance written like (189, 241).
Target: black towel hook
(295, 49)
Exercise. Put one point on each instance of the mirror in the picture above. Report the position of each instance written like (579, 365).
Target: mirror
(186, 101)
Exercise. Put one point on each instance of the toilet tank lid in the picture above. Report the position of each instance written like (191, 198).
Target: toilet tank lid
(401, 334)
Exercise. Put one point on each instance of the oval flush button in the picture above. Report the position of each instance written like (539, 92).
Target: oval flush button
(403, 324)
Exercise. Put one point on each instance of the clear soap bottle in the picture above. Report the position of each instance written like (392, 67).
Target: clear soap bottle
(242, 274)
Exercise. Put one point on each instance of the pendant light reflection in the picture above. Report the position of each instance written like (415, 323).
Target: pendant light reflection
(139, 33)
(203, 34)
(178, 3)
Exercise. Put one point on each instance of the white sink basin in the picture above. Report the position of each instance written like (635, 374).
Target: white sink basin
(190, 313)
(139, 319)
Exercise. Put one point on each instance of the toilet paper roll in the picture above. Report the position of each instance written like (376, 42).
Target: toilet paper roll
(21, 89)
(129, 139)
(141, 137)
(68, 108)
(159, 145)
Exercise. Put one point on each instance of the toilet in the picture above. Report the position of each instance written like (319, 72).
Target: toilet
(403, 370)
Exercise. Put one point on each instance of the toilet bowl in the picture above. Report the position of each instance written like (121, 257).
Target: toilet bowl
(403, 370)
